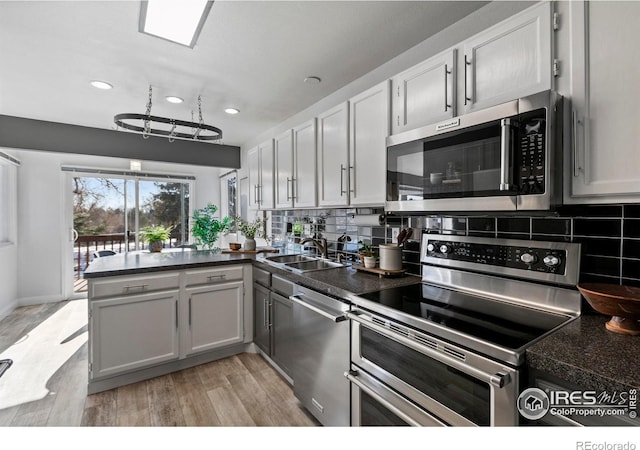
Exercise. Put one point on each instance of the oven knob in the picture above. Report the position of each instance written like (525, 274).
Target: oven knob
(551, 261)
(431, 247)
(444, 249)
(528, 258)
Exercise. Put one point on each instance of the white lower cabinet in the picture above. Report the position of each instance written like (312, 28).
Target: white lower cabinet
(132, 329)
(215, 316)
(132, 332)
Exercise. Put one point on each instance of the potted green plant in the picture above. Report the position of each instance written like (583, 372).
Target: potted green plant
(252, 229)
(156, 235)
(206, 226)
(367, 254)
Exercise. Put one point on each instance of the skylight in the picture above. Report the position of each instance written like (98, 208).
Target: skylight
(175, 21)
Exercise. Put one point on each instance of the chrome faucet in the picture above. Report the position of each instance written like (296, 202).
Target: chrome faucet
(321, 245)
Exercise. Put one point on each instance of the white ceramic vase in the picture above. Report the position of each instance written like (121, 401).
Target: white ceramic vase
(249, 244)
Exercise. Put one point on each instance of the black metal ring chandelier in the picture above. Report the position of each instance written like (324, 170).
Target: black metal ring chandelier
(197, 131)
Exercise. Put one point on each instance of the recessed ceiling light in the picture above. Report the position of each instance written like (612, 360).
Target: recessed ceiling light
(178, 22)
(312, 80)
(232, 111)
(101, 84)
(173, 99)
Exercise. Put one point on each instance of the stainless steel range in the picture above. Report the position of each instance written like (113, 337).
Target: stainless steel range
(450, 350)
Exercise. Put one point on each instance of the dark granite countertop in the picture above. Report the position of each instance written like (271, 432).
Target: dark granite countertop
(340, 282)
(144, 262)
(585, 353)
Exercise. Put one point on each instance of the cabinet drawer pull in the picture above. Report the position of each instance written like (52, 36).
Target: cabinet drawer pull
(136, 286)
(217, 277)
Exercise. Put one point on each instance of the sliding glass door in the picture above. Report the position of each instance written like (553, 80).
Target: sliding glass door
(110, 211)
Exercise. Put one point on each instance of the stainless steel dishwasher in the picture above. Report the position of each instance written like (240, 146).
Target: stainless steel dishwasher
(321, 334)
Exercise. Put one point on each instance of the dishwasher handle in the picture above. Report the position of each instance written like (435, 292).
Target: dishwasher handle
(297, 298)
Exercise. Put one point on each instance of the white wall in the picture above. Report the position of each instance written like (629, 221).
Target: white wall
(9, 249)
(44, 212)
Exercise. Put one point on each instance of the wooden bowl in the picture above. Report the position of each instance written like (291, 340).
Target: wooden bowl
(235, 246)
(620, 302)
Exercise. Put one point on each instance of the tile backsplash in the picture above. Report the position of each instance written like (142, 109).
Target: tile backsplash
(609, 234)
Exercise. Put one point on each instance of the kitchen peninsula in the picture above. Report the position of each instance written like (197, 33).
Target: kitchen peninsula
(154, 313)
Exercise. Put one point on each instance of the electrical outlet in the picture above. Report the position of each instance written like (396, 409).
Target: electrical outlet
(394, 234)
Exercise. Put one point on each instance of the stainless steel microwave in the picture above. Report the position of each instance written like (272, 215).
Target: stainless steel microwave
(504, 158)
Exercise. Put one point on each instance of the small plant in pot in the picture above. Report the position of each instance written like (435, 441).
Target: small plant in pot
(367, 255)
(252, 229)
(156, 235)
(206, 226)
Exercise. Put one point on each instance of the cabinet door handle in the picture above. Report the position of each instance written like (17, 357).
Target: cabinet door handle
(176, 314)
(446, 88)
(289, 180)
(189, 311)
(264, 313)
(294, 189)
(342, 170)
(576, 162)
(255, 194)
(466, 96)
(352, 180)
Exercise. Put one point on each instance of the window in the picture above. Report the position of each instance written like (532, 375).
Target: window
(8, 198)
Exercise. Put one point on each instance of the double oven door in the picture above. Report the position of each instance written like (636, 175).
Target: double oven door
(400, 376)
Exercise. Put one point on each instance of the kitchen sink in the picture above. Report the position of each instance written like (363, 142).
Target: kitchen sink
(283, 259)
(315, 264)
(301, 263)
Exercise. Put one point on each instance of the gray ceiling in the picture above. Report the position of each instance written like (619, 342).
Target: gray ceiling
(250, 55)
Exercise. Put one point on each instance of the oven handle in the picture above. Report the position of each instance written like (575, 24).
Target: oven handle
(498, 380)
(298, 299)
(352, 376)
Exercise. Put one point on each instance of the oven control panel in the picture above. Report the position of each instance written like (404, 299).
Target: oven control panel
(513, 256)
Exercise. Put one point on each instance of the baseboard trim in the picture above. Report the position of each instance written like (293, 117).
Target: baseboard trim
(96, 386)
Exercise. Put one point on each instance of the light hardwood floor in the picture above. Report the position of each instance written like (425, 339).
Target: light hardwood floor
(242, 390)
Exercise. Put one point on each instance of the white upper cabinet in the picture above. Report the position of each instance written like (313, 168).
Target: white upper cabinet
(303, 185)
(509, 60)
(333, 156)
(369, 127)
(295, 167)
(260, 162)
(425, 93)
(283, 169)
(603, 161)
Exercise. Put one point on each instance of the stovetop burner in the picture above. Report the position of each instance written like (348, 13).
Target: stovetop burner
(502, 324)
(492, 296)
